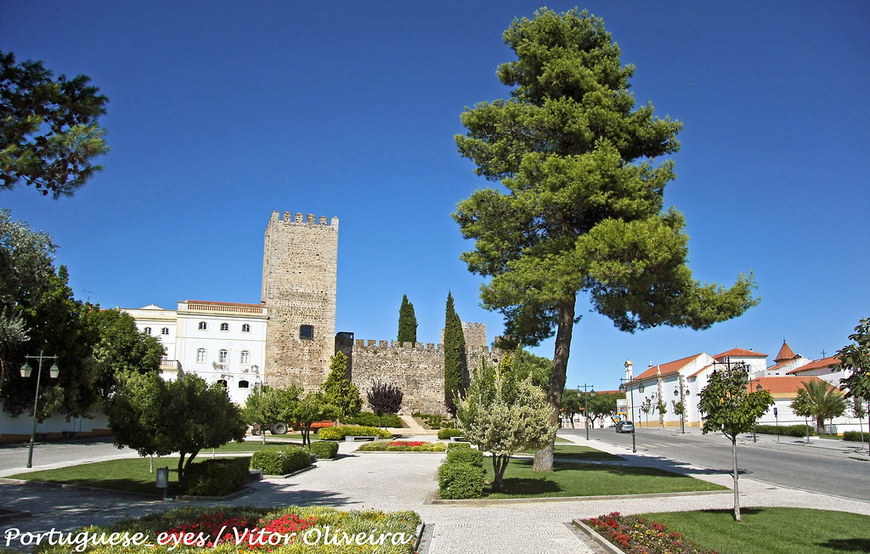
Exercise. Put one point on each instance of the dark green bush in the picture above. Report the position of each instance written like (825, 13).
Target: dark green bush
(339, 432)
(465, 456)
(281, 462)
(457, 480)
(785, 430)
(218, 477)
(324, 449)
(856, 436)
(371, 419)
(447, 433)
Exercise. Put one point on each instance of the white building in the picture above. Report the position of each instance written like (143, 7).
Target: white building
(222, 342)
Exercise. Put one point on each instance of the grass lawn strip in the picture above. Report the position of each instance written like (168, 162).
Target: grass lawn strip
(772, 530)
(569, 479)
(224, 529)
(127, 474)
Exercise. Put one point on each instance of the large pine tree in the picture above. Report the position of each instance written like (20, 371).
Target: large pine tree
(581, 208)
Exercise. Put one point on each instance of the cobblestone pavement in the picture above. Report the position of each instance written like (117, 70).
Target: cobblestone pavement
(396, 481)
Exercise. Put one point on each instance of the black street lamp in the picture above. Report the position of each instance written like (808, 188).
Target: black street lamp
(682, 392)
(26, 370)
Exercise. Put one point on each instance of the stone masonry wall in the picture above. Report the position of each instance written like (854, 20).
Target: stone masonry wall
(300, 262)
(418, 370)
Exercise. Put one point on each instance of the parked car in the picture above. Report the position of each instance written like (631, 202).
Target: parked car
(624, 427)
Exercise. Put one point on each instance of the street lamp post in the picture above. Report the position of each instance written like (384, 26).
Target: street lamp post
(682, 391)
(622, 387)
(586, 388)
(26, 370)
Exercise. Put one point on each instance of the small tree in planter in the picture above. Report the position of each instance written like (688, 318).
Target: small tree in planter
(385, 399)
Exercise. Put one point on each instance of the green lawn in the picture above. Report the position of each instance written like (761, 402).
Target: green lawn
(129, 474)
(772, 530)
(571, 479)
(256, 445)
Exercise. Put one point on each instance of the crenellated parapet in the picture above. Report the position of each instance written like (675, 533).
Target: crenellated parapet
(288, 218)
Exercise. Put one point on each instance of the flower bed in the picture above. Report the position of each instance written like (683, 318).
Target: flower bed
(236, 529)
(637, 535)
(403, 446)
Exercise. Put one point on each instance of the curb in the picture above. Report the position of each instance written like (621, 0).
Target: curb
(598, 539)
(484, 501)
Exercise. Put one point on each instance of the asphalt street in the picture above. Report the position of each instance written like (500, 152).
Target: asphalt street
(826, 466)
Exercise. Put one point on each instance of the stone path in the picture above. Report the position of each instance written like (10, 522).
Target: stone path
(397, 481)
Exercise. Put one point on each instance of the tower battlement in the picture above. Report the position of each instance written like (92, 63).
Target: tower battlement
(298, 218)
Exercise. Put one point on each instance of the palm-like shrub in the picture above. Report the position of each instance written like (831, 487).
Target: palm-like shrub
(820, 400)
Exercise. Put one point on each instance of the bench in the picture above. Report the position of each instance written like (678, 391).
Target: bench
(352, 438)
(458, 439)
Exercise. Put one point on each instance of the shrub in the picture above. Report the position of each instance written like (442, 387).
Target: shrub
(280, 462)
(324, 449)
(465, 456)
(457, 480)
(447, 433)
(785, 430)
(856, 436)
(339, 432)
(372, 420)
(218, 477)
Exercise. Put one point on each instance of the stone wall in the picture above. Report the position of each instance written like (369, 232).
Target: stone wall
(300, 265)
(418, 369)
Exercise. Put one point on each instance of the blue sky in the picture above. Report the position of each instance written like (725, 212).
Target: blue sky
(221, 112)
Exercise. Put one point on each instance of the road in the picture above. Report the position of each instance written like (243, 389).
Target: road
(14, 456)
(838, 470)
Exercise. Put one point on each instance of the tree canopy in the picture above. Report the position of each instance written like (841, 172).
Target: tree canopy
(856, 358)
(502, 415)
(819, 400)
(48, 128)
(455, 368)
(581, 207)
(157, 417)
(407, 322)
(338, 388)
(728, 407)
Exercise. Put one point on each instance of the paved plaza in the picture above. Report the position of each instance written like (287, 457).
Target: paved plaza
(407, 481)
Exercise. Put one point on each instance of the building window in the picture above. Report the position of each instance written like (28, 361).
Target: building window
(246, 328)
(225, 326)
(243, 384)
(222, 356)
(203, 325)
(147, 330)
(306, 332)
(164, 331)
(222, 382)
(200, 355)
(246, 357)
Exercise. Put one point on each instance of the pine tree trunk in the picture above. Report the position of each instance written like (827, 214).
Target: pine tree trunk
(544, 457)
(736, 491)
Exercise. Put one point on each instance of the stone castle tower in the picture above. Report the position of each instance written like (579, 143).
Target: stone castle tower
(300, 265)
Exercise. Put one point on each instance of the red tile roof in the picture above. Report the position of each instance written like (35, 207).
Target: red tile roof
(824, 363)
(780, 385)
(740, 353)
(670, 367)
(785, 353)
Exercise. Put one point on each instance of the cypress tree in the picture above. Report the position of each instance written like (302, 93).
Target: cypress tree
(407, 322)
(455, 369)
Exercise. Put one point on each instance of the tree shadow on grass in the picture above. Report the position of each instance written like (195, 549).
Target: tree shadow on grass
(846, 545)
(526, 487)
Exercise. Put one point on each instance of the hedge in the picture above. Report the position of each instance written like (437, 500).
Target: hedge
(324, 449)
(218, 477)
(281, 462)
(448, 432)
(856, 436)
(434, 421)
(371, 419)
(465, 456)
(338, 433)
(785, 430)
(458, 480)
